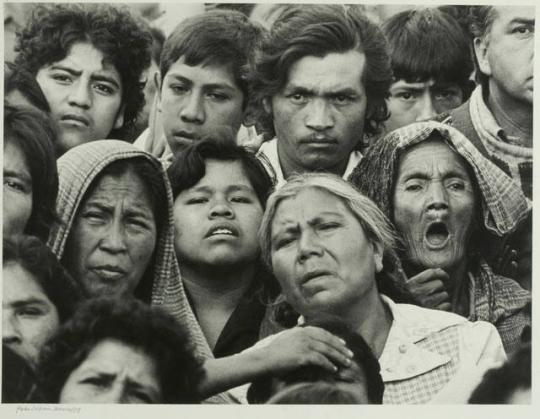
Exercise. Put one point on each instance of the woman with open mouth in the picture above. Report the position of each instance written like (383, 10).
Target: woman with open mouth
(331, 250)
(449, 205)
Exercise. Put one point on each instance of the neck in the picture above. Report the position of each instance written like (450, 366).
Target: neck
(290, 166)
(217, 286)
(457, 278)
(515, 117)
(371, 319)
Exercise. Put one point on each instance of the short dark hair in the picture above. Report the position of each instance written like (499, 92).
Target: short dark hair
(318, 30)
(189, 167)
(499, 384)
(427, 43)
(17, 79)
(152, 180)
(34, 133)
(317, 392)
(261, 390)
(136, 324)
(34, 256)
(52, 29)
(220, 37)
(480, 20)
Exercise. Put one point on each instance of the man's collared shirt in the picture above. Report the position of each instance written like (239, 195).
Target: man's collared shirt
(268, 156)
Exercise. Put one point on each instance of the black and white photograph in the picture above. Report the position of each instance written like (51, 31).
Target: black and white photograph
(262, 203)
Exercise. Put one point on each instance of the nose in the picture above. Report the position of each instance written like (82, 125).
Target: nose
(114, 239)
(437, 197)
(80, 95)
(113, 394)
(426, 107)
(193, 109)
(10, 332)
(221, 208)
(319, 115)
(308, 246)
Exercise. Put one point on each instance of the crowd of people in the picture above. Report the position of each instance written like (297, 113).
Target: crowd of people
(313, 204)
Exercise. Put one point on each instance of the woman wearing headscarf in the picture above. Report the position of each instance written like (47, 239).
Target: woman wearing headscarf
(331, 250)
(447, 203)
(116, 235)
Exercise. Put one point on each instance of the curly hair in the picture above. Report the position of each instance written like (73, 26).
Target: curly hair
(52, 29)
(318, 30)
(34, 133)
(33, 255)
(135, 324)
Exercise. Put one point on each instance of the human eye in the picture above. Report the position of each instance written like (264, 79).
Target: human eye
(523, 30)
(456, 185)
(297, 98)
(94, 381)
(93, 215)
(104, 88)
(178, 88)
(241, 199)
(406, 95)
(30, 311)
(330, 225)
(62, 77)
(196, 200)
(283, 242)
(343, 99)
(218, 96)
(16, 185)
(413, 185)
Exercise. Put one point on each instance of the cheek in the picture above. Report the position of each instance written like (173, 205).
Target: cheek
(38, 332)
(16, 212)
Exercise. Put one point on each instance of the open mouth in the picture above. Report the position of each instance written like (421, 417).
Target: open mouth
(222, 231)
(437, 235)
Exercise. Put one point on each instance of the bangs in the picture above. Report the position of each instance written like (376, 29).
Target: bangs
(427, 44)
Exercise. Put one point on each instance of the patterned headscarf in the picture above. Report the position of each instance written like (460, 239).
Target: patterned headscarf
(504, 205)
(77, 169)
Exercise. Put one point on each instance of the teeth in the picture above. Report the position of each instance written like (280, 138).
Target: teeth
(222, 231)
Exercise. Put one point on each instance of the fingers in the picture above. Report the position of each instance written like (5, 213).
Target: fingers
(444, 307)
(429, 275)
(436, 299)
(337, 358)
(332, 341)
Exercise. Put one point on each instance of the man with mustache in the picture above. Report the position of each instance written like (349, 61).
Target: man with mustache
(88, 60)
(318, 88)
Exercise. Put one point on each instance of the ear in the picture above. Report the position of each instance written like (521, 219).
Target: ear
(157, 81)
(481, 52)
(267, 105)
(119, 121)
(378, 256)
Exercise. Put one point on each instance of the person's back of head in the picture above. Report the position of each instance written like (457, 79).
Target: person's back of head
(318, 392)
(362, 377)
(508, 384)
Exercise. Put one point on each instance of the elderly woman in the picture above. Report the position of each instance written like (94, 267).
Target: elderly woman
(120, 351)
(30, 175)
(446, 202)
(331, 250)
(117, 233)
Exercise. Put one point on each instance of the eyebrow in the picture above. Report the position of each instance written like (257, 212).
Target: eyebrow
(522, 20)
(207, 86)
(27, 302)
(292, 226)
(23, 176)
(230, 188)
(110, 209)
(313, 92)
(421, 175)
(77, 73)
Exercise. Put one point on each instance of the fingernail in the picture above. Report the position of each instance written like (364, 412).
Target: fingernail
(342, 341)
(350, 353)
(335, 368)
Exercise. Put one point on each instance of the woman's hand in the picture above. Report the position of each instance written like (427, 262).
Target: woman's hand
(428, 289)
(301, 346)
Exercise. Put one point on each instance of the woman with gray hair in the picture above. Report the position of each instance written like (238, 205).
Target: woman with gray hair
(330, 248)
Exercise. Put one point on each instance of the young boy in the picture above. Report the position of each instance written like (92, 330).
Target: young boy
(431, 62)
(202, 85)
(88, 60)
